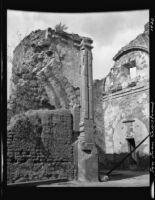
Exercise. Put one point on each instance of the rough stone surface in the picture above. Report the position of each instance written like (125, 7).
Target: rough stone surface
(135, 54)
(140, 42)
(86, 148)
(45, 72)
(87, 163)
(98, 88)
(131, 106)
(39, 146)
(119, 77)
(50, 72)
(121, 97)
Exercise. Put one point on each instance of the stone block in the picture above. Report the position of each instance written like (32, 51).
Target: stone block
(56, 126)
(87, 163)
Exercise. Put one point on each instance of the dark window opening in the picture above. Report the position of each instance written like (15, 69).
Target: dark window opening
(88, 151)
(131, 147)
(130, 67)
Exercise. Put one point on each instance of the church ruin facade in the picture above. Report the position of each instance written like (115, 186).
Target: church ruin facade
(124, 104)
(63, 124)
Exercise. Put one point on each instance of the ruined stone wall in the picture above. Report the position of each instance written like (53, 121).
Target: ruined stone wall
(46, 75)
(124, 96)
(120, 77)
(130, 104)
(39, 146)
(45, 72)
(124, 99)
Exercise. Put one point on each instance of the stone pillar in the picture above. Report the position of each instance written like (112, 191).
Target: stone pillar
(87, 152)
(90, 86)
(84, 84)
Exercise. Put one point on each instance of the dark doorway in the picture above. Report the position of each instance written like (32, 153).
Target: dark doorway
(132, 157)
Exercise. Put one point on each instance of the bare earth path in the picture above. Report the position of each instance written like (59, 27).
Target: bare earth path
(116, 179)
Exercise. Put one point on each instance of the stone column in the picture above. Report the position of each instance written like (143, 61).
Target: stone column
(90, 86)
(84, 84)
(87, 152)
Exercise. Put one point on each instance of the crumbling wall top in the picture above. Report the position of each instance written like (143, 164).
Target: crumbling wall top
(40, 35)
(141, 42)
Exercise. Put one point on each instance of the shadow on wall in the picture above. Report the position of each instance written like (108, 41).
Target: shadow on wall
(108, 161)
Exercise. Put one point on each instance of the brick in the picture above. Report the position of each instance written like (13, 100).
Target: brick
(56, 148)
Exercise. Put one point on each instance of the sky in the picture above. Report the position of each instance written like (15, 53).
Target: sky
(110, 31)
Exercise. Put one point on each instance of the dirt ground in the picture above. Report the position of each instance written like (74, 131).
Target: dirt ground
(116, 179)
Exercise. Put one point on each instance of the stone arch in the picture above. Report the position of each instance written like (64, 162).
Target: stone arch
(129, 49)
(60, 91)
(140, 132)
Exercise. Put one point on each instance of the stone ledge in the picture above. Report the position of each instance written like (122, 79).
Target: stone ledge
(130, 48)
(125, 92)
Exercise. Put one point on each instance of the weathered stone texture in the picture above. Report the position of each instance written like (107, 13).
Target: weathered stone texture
(52, 71)
(121, 108)
(39, 146)
(135, 54)
(98, 88)
(119, 76)
(86, 148)
(117, 109)
(46, 72)
(122, 97)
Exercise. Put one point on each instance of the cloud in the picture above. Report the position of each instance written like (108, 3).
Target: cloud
(110, 31)
(105, 27)
(103, 54)
(102, 27)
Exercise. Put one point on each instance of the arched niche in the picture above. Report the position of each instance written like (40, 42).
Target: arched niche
(121, 135)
